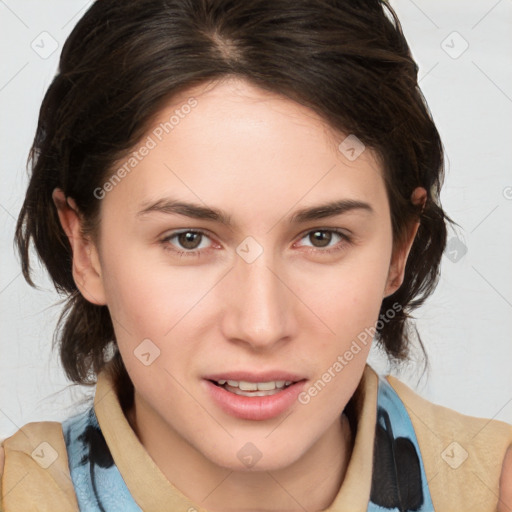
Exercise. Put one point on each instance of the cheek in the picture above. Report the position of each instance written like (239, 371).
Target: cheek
(148, 298)
(149, 314)
(348, 297)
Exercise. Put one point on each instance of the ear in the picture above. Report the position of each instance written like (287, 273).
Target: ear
(86, 263)
(400, 254)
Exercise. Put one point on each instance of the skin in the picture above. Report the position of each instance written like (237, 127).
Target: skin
(259, 157)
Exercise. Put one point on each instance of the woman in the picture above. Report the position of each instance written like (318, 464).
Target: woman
(238, 197)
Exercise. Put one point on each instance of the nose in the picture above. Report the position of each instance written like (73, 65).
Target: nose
(259, 307)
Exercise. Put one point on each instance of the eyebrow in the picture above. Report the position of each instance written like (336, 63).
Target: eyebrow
(196, 211)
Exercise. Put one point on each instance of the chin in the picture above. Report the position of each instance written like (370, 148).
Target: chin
(259, 455)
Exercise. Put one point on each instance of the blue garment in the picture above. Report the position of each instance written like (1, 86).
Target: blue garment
(399, 483)
(98, 484)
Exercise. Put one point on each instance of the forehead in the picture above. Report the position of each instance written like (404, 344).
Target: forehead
(234, 145)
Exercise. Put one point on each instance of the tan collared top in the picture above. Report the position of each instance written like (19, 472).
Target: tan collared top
(470, 486)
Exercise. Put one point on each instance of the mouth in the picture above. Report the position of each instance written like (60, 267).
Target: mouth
(252, 396)
(245, 388)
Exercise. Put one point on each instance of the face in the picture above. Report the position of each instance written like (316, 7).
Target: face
(243, 245)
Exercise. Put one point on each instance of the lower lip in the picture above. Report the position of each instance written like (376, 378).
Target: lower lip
(255, 408)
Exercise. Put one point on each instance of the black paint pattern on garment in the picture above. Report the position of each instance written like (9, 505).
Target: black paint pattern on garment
(95, 446)
(97, 453)
(396, 476)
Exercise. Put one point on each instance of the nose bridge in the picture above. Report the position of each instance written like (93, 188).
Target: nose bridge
(258, 307)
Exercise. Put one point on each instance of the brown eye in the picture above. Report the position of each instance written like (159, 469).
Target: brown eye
(323, 241)
(320, 238)
(189, 239)
(187, 243)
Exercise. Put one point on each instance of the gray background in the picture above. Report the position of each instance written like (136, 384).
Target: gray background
(464, 53)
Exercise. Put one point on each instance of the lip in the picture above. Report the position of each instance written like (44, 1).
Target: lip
(256, 408)
(255, 377)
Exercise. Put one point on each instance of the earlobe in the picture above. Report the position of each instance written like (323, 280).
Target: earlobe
(86, 264)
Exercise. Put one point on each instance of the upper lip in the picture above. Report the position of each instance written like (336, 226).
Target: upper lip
(268, 376)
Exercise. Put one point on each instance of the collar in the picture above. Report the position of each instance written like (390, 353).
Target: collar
(152, 491)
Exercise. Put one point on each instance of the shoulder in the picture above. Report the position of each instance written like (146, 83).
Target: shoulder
(1, 473)
(465, 457)
(34, 463)
(505, 501)
(446, 421)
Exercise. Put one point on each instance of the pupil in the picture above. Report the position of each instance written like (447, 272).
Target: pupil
(324, 237)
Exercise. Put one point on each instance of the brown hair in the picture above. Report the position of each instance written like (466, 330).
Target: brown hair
(346, 60)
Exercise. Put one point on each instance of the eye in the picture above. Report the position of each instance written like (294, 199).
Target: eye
(192, 242)
(186, 243)
(321, 240)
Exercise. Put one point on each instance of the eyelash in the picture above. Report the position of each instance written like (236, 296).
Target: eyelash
(197, 253)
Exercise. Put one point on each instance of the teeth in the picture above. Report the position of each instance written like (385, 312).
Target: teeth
(255, 386)
(266, 386)
(248, 386)
(238, 391)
